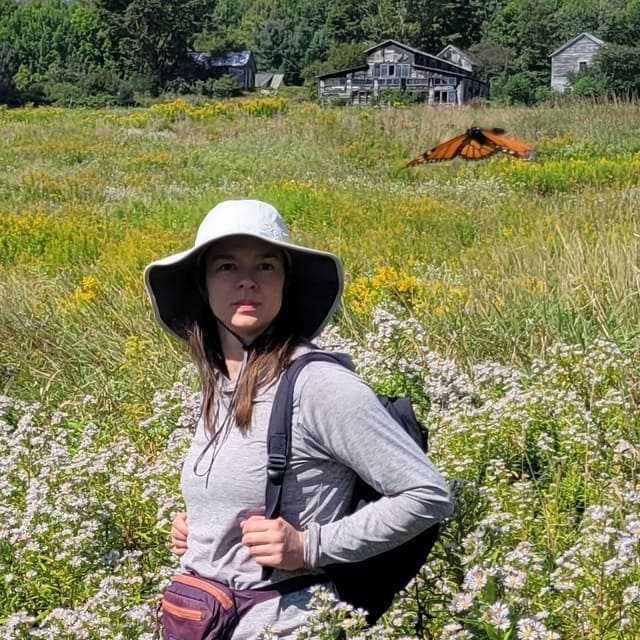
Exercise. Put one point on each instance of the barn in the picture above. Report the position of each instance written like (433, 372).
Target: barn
(572, 57)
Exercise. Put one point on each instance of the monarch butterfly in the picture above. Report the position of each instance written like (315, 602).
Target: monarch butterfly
(475, 144)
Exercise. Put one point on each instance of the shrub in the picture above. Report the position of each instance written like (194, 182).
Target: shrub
(226, 87)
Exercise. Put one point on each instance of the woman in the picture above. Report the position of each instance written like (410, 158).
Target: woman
(247, 301)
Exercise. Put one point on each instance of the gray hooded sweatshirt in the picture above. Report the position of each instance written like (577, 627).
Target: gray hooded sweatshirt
(340, 431)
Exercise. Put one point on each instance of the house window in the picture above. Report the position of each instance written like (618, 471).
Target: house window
(384, 70)
(392, 70)
(403, 70)
(376, 70)
(451, 80)
(582, 65)
(451, 97)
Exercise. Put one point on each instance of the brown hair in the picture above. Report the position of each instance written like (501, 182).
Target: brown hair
(261, 368)
(267, 357)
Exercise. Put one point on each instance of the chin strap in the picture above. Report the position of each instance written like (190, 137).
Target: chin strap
(262, 342)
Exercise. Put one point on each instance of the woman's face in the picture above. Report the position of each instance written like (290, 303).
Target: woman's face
(245, 280)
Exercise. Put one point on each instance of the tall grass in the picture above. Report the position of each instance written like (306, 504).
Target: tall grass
(508, 256)
(514, 290)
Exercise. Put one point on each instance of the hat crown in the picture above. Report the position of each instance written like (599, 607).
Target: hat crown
(243, 217)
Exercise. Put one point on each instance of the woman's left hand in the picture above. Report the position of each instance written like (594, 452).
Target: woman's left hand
(273, 543)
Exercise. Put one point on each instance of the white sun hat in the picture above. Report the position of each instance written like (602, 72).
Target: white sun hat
(314, 278)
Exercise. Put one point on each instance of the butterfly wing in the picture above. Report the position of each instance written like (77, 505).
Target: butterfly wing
(478, 149)
(444, 151)
(507, 145)
(475, 144)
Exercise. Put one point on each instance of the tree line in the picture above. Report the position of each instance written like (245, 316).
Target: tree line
(97, 52)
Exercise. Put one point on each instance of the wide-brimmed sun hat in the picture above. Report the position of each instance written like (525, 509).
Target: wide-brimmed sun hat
(314, 278)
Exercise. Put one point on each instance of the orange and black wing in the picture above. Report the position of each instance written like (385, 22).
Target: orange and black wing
(513, 147)
(444, 151)
(477, 148)
(475, 144)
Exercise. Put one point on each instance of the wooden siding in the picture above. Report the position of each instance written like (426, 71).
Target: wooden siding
(392, 66)
(568, 61)
(456, 56)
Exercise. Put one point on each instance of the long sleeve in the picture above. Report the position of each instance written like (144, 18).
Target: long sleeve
(339, 419)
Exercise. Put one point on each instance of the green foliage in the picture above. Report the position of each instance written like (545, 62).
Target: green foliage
(492, 57)
(615, 70)
(271, 45)
(39, 33)
(516, 88)
(8, 68)
(397, 98)
(589, 83)
(153, 37)
(344, 20)
(226, 87)
(147, 41)
(620, 65)
(389, 19)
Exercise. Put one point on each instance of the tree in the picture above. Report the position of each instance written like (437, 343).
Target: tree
(344, 20)
(620, 65)
(530, 28)
(516, 88)
(605, 18)
(222, 29)
(153, 36)
(8, 68)
(632, 22)
(38, 33)
(89, 38)
(588, 83)
(271, 42)
(390, 19)
(493, 58)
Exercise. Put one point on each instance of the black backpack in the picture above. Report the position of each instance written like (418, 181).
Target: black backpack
(370, 584)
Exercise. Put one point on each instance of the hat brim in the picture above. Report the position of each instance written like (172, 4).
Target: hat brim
(314, 288)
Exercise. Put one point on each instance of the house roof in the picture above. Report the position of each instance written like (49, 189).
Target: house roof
(462, 53)
(413, 50)
(454, 70)
(278, 80)
(268, 80)
(398, 44)
(263, 80)
(228, 59)
(571, 42)
(342, 72)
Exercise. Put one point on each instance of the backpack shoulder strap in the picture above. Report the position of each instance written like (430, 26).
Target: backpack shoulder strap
(279, 433)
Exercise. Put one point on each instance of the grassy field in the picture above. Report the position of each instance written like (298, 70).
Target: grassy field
(513, 290)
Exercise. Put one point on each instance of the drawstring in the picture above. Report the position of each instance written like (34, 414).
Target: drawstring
(223, 429)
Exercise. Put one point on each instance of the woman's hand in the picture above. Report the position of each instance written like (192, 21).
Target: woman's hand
(273, 543)
(179, 531)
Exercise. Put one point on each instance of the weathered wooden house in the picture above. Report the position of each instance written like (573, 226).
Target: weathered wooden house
(572, 57)
(239, 64)
(459, 57)
(396, 66)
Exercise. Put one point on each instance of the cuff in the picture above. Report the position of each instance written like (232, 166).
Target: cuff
(311, 545)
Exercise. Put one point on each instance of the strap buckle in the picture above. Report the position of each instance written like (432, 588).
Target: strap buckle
(276, 465)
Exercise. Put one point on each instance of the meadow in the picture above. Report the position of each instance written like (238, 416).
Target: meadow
(503, 295)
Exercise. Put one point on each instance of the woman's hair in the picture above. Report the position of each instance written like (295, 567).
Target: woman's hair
(267, 357)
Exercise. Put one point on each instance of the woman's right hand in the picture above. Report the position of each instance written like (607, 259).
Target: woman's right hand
(179, 531)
